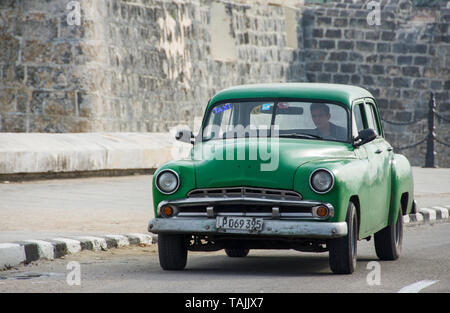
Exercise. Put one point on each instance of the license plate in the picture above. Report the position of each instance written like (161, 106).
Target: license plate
(239, 223)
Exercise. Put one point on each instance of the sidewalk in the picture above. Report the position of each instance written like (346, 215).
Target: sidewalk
(66, 207)
(431, 186)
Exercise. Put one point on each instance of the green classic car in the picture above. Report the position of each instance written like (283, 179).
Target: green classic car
(301, 166)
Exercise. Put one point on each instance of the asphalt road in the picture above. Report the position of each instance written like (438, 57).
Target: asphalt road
(425, 257)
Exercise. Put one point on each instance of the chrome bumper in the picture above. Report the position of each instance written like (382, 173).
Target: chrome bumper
(282, 228)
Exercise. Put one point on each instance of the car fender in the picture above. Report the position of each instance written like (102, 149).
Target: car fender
(186, 174)
(350, 179)
(402, 182)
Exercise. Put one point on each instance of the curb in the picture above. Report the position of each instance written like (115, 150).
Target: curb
(428, 216)
(24, 252)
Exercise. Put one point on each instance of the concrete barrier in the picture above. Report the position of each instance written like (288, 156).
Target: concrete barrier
(79, 152)
(14, 254)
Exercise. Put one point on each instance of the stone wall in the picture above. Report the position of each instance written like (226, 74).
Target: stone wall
(401, 61)
(147, 65)
(141, 65)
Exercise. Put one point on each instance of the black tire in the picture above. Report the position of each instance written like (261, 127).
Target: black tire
(237, 252)
(343, 250)
(172, 251)
(388, 241)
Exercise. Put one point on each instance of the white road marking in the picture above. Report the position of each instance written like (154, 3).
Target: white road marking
(416, 287)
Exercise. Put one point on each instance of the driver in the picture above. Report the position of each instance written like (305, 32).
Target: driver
(320, 113)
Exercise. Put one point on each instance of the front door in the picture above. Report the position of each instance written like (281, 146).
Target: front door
(379, 171)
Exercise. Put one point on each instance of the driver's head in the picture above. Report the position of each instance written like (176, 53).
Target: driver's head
(320, 113)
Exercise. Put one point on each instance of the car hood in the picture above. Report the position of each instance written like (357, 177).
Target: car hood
(260, 162)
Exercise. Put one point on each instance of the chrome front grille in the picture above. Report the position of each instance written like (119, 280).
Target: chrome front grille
(245, 201)
(253, 192)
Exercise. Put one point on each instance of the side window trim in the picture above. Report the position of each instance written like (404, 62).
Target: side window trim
(363, 113)
(371, 103)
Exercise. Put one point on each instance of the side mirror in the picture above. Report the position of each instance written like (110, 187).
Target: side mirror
(364, 136)
(185, 136)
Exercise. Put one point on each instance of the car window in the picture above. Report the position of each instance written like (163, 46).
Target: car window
(220, 120)
(371, 117)
(259, 114)
(327, 120)
(358, 117)
(294, 119)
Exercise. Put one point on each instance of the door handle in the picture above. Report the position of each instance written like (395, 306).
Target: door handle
(378, 151)
(390, 149)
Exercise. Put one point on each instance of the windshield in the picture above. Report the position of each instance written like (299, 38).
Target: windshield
(294, 119)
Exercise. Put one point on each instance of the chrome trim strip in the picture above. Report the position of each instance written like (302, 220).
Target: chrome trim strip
(238, 200)
(192, 214)
(210, 202)
(251, 214)
(244, 191)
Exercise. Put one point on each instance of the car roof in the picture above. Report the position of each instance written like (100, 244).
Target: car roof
(345, 94)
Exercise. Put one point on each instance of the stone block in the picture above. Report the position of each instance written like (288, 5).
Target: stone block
(383, 47)
(420, 83)
(60, 103)
(348, 68)
(378, 69)
(341, 78)
(402, 82)
(388, 36)
(411, 71)
(333, 33)
(327, 44)
(345, 45)
(338, 56)
(9, 47)
(404, 60)
(383, 81)
(365, 46)
(331, 67)
(7, 100)
(37, 25)
(340, 22)
(421, 60)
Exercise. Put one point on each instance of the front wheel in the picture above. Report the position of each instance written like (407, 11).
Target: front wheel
(388, 241)
(172, 250)
(342, 255)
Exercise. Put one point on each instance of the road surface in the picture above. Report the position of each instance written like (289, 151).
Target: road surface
(425, 258)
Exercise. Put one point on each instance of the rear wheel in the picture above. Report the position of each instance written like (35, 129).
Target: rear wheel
(237, 252)
(388, 241)
(343, 251)
(172, 251)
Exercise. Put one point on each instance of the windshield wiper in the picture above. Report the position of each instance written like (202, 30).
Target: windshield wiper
(296, 135)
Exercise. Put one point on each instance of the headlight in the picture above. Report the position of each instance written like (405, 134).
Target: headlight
(321, 180)
(167, 181)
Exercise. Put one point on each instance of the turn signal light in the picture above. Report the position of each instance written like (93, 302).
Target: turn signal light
(322, 211)
(167, 211)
